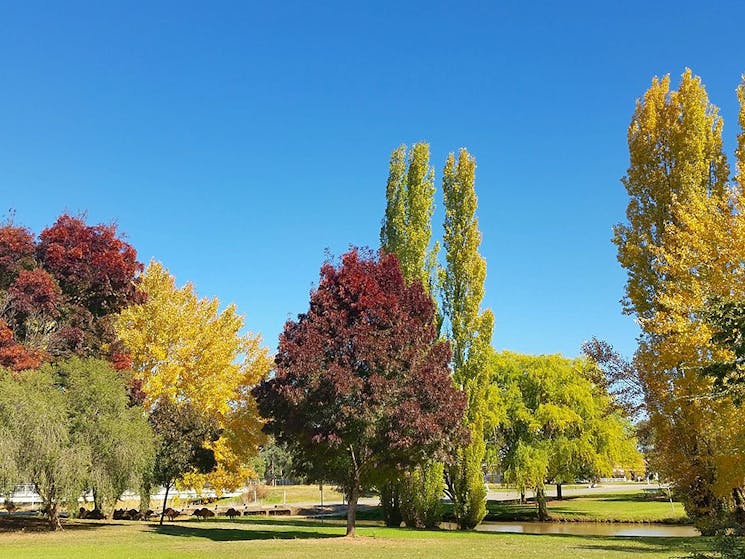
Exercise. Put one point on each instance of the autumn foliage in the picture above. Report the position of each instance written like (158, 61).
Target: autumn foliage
(58, 296)
(94, 267)
(362, 382)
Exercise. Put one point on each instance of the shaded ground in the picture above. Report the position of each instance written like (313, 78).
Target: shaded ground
(26, 523)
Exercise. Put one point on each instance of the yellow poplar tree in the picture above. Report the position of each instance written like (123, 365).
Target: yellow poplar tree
(406, 232)
(681, 246)
(470, 334)
(407, 226)
(183, 348)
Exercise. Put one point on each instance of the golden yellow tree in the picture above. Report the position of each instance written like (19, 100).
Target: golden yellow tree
(184, 348)
(683, 244)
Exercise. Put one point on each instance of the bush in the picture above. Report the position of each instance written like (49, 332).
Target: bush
(260, 491)
(421, 496)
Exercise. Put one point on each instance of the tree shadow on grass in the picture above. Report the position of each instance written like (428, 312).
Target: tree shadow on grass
(678, 546)
(237, 534)
(38, 524)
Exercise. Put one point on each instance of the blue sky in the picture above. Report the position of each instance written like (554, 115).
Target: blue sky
(235, 142)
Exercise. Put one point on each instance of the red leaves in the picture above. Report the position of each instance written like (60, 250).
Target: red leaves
(363, 367)
(63, 291)
(16, 253)
(35, 291)
(13, 355)
(93, 266)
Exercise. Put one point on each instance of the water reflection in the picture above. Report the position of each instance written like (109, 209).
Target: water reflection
(586, 529)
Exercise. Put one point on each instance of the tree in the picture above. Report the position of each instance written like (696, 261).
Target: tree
(58, 296)
(727, 320)
(95, 268)
(183, 434)
(16, 252)
(470, 333)
(361, 382)
(47, 454)
(406, 232)
(118, 435)
(675, 150)
(682, 246)
(407, 225)
(559, 425)
(67, 428)
(620, 377)
(183, 349)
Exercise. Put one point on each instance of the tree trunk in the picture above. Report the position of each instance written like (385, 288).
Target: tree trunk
(522, 497)
(540, 498)
(145, 488)
(49, 501)
(97, 500)
(739, 512)
(53, 514)
(353, 496)
(165, 502)
(558, 492)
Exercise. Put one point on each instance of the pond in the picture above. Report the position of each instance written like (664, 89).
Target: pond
(587, 529)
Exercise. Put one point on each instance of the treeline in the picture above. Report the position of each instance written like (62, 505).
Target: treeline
(388, 381)
(114, 378)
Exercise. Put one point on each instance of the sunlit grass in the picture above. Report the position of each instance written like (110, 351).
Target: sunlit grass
(284, 538)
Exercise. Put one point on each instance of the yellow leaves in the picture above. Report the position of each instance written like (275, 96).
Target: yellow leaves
(675, 152)
(184, 348)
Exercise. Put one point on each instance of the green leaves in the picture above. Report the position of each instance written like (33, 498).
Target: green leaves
(559, 425)
(67, 428)
(407, 226)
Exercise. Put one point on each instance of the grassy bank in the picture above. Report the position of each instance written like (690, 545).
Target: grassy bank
(611, 507)
(286, 539)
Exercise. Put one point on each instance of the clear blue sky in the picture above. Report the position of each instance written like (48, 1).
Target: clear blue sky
(235, 142)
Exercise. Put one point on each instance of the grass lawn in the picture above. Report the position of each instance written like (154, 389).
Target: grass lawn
(286, 538)
(610, 507)
(293, 494)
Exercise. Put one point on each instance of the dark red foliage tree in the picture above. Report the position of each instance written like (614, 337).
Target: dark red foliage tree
(16, 253)
(362, 382)
(95, 269)
(35, 291)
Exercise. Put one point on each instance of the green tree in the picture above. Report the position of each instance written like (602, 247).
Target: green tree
(560, 424)
(407, 232)
(184, 436)
(118, 435)
(407, 225)
(47, 454)
(470, 333)
(68, 428)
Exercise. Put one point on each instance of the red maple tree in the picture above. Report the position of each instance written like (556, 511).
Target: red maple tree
(16, 252)
(362, 381)
(94, 267)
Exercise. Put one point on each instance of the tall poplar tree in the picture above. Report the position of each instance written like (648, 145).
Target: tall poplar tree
(407, 226)
(683, 221)
(407, 232)
(470, 333)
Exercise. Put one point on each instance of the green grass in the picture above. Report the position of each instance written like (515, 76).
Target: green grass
(286, 538)
(610, 507)
(293, 494)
